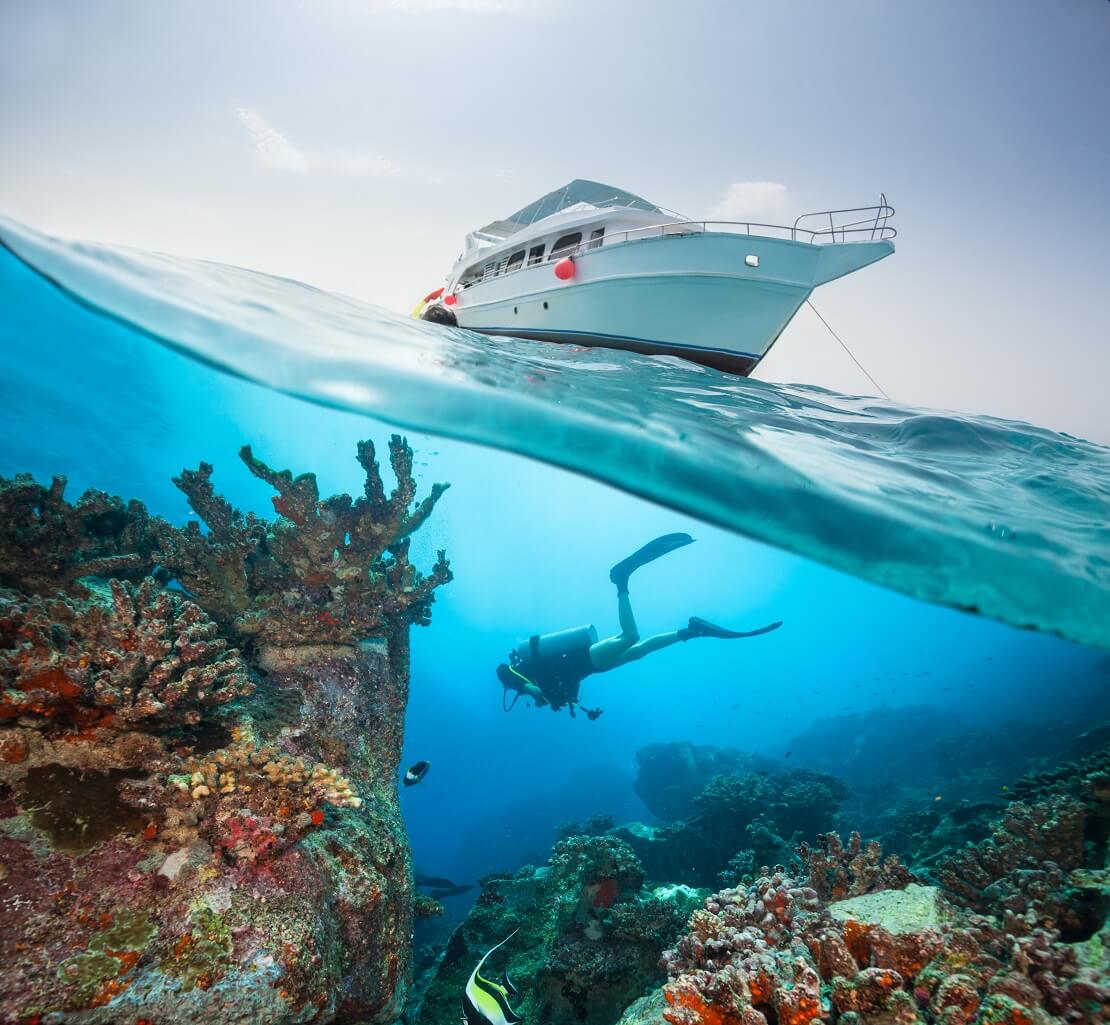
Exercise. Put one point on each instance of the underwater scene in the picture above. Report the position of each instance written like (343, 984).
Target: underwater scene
(356, 669)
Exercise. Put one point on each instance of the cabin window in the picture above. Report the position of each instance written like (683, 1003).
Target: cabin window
(515, 261)
(565, 245)
(595, 237)
(535, 255)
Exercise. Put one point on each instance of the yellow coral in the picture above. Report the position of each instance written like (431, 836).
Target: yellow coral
(245, 765)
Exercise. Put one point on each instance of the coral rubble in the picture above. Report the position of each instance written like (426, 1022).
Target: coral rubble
(198, 806)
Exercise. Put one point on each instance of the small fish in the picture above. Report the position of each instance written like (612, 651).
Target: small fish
(937, 798)
(788, 754)
(416, 773)
(1004, 787)
(486, 1002)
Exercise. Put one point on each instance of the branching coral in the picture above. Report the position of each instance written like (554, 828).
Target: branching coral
(145, 656)
(1007, 868)
(836, 871)
(328, 571)
(46, 543)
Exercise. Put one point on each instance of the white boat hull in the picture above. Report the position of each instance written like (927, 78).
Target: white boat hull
(695, 295)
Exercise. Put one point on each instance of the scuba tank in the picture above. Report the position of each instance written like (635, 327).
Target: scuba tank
(540, 648)
(540, 659)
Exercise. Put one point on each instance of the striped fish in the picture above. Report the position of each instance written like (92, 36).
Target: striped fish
(486, 1002)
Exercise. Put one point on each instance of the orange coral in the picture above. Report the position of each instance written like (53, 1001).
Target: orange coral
(697, 1011)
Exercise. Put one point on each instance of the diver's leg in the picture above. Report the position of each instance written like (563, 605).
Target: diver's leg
(656, 642)
(607, 654)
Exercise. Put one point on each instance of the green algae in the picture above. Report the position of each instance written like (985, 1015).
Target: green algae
(129, 931)
(87, 973)
(203, 956)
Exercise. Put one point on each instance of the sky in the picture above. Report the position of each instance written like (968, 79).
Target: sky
(353, 143)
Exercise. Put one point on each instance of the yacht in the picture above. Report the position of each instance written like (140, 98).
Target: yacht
(590, 264)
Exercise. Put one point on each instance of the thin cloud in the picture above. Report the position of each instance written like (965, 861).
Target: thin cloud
(275, 150)
(756, 201)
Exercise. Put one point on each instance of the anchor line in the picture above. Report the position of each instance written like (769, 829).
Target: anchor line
(849, 351)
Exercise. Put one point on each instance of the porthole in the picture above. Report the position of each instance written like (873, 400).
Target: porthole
(545, 304)
(514, 310)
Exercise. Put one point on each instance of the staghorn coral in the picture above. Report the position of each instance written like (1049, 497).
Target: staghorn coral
(328, 571)
(836, 871)
(144, 657)
(47, 544)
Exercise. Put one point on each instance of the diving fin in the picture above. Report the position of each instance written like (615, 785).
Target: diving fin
(653, 550)
(699, 627)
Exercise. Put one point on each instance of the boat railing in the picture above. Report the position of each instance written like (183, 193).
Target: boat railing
(852, 224)
(825, 227)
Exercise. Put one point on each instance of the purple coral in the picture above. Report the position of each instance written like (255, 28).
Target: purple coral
(1015, 866)
(773, 950)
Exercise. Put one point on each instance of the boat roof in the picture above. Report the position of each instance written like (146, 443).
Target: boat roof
(580, 193)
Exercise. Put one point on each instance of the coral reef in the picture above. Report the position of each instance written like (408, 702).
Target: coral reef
(588, 942)
(328, 571)
(47, 544)
(669, 776)
(595, 825)
(740, 823)
(198, 791)
(140, 656)
(780, 951)
(836, 871)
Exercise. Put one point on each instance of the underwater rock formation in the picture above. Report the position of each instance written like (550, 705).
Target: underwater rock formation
(777, 951)
(669, 776)
(740, 822)
(198, 810)
(589, 940)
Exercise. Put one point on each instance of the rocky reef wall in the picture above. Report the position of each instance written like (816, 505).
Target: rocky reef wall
(200, 733)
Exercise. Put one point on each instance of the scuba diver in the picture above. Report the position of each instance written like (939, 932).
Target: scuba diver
(549, 668)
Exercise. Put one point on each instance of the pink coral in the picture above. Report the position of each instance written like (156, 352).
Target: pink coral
(769, 951)
(144, 656)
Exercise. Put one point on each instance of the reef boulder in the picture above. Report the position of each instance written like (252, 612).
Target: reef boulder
(198, 794)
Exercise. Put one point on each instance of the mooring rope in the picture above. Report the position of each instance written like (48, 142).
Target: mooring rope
(849, 351)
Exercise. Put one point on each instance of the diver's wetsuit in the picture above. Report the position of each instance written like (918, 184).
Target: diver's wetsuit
(559, 678)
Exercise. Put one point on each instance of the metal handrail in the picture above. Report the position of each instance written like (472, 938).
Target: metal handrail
(870, 228)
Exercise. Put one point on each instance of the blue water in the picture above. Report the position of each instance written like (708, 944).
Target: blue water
(119, 368)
